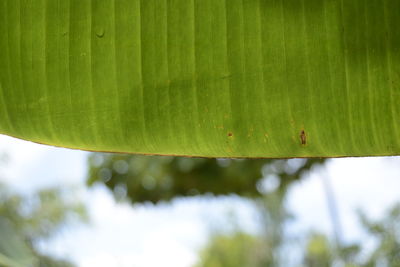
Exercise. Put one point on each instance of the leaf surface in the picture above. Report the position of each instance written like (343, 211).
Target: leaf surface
(213, 78)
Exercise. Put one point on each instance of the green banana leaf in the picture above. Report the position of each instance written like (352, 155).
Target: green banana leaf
(212, 78)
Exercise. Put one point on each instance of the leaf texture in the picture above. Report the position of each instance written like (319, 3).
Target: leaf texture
(212, 78)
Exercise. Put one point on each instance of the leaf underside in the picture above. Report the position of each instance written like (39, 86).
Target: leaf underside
(212, 78)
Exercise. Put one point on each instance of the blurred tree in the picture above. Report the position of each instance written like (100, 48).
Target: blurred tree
(318, 251)
(161, 178)
(14, 252)
(27, 220)
(236, 250)
(240, 249)
(386, 233)
(274, 216)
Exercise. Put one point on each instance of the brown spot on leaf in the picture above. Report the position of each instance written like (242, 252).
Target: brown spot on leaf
(230, 134)
(303, 137)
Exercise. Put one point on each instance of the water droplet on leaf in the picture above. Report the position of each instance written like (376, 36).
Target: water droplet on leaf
(100, 32)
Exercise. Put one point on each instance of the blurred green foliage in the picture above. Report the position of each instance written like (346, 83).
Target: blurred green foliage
(27, 220)
(318, 251)
(161, 178)
(236, 250)
(265, 181)
(241, 249)
(386, 233)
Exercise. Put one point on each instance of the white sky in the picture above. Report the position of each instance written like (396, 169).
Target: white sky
(170, 235)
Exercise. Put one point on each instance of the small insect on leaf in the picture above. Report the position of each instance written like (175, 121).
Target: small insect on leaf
(303, 137)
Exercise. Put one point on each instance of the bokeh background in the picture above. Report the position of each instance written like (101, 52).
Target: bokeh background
(61, 207)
